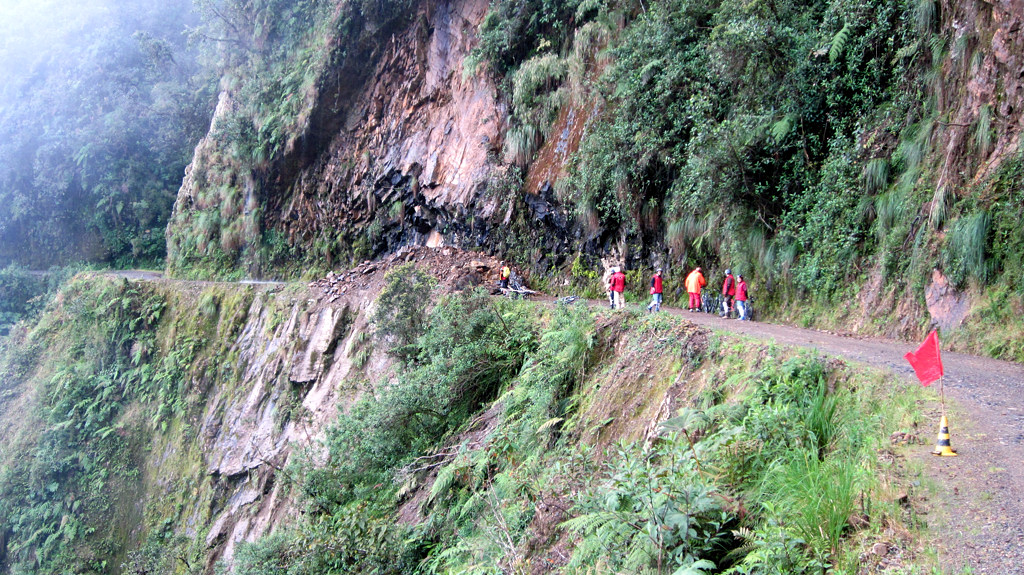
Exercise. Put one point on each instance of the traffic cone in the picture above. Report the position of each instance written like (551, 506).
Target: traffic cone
(942, 443)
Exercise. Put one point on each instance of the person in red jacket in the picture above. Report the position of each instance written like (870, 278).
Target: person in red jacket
(655, 304)
(728, 294)
(617, 285)
(741, 298)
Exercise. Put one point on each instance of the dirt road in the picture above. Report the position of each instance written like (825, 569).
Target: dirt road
(978, 514)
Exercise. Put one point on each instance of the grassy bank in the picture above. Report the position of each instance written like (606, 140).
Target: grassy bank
(482, 436)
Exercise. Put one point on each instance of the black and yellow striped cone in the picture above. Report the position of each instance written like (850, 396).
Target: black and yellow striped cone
(942, 443)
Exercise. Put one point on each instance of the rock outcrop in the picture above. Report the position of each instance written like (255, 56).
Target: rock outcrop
(983, 76)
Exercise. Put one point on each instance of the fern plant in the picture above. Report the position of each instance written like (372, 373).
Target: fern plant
(652, 512)
(839, 41)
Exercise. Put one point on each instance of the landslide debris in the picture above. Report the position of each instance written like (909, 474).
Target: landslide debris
(454, 268)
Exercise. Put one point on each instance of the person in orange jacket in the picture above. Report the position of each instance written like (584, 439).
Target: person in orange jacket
(694, 282)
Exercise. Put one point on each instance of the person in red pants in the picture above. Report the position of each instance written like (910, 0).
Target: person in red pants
(694, 282)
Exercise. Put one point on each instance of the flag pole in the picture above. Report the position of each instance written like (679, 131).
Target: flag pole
(942, 382)
(942, 394)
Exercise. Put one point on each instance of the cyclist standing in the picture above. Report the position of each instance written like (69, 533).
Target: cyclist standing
(728, 293)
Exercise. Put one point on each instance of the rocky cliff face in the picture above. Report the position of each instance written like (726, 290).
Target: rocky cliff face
(287, 359)
(983, 77)
(415, 148)
(277, 390)
(251, 428)
(402, 147)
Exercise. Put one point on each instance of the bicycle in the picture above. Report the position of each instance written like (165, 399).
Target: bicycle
(515, 289)
(750, 310)
(710, 303)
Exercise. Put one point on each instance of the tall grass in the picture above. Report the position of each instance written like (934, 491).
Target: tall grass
(942, 200)
(522, 142)
(966, 246)
(815, 497)
(535, 77)
(983, 130)
(890, 209)
(876, 175)
(925, 13)
(822, 419)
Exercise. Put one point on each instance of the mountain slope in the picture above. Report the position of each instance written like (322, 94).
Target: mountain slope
(828, 150)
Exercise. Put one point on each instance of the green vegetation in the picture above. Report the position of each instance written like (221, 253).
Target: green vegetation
(109, 370)
(63, 473)
(803, 144)
(24, 293)
(498, 432)
(20, 294)
(100, 110)
(501, 433)
(794, 142)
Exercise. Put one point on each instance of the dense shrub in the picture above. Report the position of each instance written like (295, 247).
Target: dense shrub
(19, 291)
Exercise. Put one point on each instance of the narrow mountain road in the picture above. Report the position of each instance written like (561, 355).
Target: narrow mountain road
(977, 514)
(155, 276)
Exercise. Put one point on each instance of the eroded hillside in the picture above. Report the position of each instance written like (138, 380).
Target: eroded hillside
(386, 420)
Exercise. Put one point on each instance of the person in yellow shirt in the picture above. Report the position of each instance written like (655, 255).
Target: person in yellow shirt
(504, 273)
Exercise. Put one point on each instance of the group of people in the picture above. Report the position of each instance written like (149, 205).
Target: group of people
(734, 292)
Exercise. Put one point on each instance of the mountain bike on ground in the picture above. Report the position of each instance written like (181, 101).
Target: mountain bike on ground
(515, 289)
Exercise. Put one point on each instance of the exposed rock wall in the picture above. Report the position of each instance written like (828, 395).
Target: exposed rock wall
(271, 378)
(420, 132)
(402, 147)
(279, 394)
(985, 70)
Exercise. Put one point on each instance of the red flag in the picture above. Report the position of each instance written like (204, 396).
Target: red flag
(926, 361)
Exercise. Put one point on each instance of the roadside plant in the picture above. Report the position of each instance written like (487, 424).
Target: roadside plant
(400, 315)
(651, 511)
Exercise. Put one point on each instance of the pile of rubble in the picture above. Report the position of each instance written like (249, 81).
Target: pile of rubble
(455, 270)
(336, 285)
